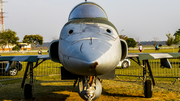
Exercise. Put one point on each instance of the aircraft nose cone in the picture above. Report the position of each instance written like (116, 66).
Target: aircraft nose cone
(91, 50)
(91, 57)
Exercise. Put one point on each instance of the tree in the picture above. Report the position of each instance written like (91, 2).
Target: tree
(177, 32)
(131, 42)
(160, 45)
(177, 37)
(2, 44)
(170, 39)
(33, 39)
(123, 37)
(8, 37)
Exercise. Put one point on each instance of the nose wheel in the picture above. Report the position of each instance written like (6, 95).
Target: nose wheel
(89, 88)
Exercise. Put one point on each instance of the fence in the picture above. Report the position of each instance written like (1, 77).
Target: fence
(45, 69)
(158, 71)
(51, 68)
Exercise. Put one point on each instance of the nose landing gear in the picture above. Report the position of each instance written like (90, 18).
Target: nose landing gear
(89, 88)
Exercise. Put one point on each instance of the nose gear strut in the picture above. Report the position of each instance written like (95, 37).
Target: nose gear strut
(89, 88)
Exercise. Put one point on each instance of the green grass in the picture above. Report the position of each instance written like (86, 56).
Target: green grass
(123, 89)
(155, 51)
(21, 53)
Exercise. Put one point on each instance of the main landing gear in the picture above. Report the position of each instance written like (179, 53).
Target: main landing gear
(28, 91)
(148, 84)
(28, 88)
(148, 89)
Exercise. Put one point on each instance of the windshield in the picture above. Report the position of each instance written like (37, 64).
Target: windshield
(87, 10)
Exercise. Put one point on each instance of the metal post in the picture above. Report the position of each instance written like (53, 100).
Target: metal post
(31, 72)
(144, 71)
(150, 72)
(1, 85)
(175, 81)
(25, 75)
(2, 17)
(139, 78)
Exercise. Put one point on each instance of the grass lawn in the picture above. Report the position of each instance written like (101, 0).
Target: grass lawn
(155, 51)
(51, 88)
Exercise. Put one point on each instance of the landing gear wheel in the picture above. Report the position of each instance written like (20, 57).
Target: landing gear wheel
(89, 93)
(13, 72)
(125, 64)
(28, 91)
(148, 89)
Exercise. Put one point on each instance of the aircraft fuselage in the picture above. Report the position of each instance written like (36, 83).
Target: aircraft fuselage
(89, 46)
(87, 41)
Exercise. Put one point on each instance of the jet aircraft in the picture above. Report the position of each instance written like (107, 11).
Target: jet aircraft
(85, 48)
(89, 48)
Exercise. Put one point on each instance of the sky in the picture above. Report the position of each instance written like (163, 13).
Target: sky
(145, 20)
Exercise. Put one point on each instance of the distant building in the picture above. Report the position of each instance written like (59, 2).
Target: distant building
(6, 48)
(23, 46)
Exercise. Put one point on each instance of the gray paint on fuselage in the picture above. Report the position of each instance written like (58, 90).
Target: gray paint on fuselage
(90, 42)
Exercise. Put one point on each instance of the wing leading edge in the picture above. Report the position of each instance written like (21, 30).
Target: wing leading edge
(146, 56)
(26, 58)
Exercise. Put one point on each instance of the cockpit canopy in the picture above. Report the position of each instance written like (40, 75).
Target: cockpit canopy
(87, 10)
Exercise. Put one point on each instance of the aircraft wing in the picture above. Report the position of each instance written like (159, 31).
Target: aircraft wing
(26, 58)
(146, 56)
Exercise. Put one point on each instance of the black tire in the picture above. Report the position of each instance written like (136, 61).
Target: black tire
(148, 89)
(28, 91)
(125, 64)
(13, 72)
